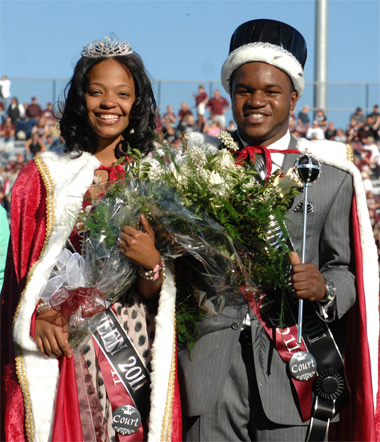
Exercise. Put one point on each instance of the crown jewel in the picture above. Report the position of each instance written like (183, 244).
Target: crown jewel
(106, 48)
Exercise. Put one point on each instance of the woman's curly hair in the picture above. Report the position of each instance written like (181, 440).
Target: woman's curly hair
(75, 129)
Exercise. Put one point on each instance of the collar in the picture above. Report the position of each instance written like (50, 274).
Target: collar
(282, 143)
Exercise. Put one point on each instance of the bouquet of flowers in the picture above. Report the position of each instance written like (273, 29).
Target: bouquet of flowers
(201, 205)
(208, 181)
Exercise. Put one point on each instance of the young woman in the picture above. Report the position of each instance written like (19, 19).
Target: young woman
(34, 145)
(48, 395)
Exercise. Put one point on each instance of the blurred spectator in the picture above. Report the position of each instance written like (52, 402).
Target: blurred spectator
(303, 120)
(41, 128)
(374, 115)
(192, 125)
(340, 136)
(367, 131)
(372, 157)
(7, 138)
(34, 145)
(16, 112)
(4, 237)
(201, 100)
(5, 91)
(372, 201)
(184, 111)
(321, 118)
(358, 116)
(292, 122)
(231, 126)
(330, 132)
(20, 164)
(34, 110)
(48, 114)
(6, 189)
(296, 134)
(315, 132)
(168, 131)
(214, 129)
(3, 113)
(376, 126)
(158, 122)
(33, 113)
(7, 130)
(182, 124)
(52, 142)
(202, 123)
(169, 116)
(356, 145)
(217, 107)
(367, 183)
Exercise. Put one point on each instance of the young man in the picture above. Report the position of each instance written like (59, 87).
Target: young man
(218, 106)
(201, 99)
(236, 381)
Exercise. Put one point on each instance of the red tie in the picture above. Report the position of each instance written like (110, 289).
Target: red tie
(250, 152)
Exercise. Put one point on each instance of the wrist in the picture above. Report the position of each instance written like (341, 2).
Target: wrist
(42, 307)
(330, 291)
(154, 274)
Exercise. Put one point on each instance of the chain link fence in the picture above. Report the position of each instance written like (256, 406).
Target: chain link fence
(343, 97)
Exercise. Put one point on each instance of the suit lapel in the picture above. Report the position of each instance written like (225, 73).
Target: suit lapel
(290, 158)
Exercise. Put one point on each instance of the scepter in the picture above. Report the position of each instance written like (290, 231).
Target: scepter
(308, 169)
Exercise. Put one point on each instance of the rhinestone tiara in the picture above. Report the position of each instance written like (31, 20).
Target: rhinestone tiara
(106, 48)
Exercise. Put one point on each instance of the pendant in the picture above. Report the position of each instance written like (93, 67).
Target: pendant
(302, 366)
(126, 420)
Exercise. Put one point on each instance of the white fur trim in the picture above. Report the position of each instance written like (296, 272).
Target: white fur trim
(334, 154)
(71, 178)
(265, 53)
(162, 354)
(42, 375)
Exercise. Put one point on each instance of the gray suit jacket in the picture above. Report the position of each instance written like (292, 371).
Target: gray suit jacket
(329, 247)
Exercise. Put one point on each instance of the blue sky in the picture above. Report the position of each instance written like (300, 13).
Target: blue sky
(183, 41)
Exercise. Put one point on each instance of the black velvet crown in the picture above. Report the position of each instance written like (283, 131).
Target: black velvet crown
(267, 41)
(270, 31)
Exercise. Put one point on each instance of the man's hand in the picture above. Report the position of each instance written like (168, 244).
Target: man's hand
(52, 334)
(308, 282)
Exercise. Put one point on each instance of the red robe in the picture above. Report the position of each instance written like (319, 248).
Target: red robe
(34, 203)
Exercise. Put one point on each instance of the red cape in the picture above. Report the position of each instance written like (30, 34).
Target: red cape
(357, 421)
(28, 234)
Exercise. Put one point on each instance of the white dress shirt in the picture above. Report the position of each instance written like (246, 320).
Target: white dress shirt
(281, 144)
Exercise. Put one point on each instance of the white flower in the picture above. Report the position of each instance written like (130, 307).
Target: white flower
(215, 178)
(195, 155)
(228, 141)
(224, 160)
(156, 171)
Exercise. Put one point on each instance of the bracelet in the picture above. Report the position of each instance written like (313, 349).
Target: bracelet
(153, 275)
(42, 307)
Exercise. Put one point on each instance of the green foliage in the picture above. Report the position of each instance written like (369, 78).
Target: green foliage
(179, 194)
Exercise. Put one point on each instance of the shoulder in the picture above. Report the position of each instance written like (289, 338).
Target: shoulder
(332, 153)
(59, 157)
(25, 179)
(336, 156)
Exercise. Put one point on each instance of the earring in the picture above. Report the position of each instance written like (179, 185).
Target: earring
(132, 131)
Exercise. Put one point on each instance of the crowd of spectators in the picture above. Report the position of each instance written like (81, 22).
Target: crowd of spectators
(36, 129)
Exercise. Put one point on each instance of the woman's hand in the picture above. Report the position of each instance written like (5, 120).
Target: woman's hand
(51, 334)
(139, 247)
